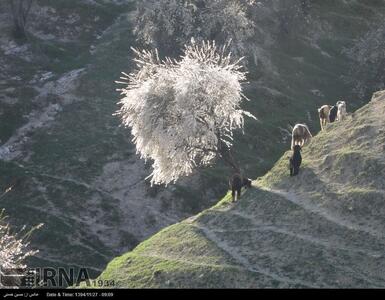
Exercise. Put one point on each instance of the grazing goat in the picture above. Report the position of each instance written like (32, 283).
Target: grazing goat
(300, 135)
(341, 113)
(237, 181)
(295, 161)
(333, 114)
(324, 115)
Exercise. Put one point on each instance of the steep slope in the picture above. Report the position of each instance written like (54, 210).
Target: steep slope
(75, 170)
(324, 228)
(70, 165)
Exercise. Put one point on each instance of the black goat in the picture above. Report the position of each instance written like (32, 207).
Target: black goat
(236, 182)
(295, 161)
(333, 113)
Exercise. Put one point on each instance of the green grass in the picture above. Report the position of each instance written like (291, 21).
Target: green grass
(85, 136)
(149, 270)
(186, 255)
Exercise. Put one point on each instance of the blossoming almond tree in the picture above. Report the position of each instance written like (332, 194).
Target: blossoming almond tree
(166, 23)
(182, 113)
(14, 247)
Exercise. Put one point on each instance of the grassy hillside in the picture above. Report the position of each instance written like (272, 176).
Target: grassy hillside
(324, 228)
(75, 170)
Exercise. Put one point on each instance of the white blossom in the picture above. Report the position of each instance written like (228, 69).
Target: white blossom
(14, 248)
(183, 112)
(164, 23)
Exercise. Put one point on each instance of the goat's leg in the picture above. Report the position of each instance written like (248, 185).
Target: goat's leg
(296, 171)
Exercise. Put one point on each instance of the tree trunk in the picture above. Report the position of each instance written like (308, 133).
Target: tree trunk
(20, 10)
(228, 157)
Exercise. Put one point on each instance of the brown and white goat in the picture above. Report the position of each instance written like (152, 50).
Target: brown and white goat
(324, 115)
(300, 136)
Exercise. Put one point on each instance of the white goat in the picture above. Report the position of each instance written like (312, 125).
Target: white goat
(341, 114)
